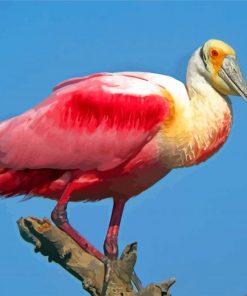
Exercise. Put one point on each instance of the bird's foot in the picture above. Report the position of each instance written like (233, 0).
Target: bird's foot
(111, 252)
(108, 268)
(111, 247)
(136, 281)
(107, 263)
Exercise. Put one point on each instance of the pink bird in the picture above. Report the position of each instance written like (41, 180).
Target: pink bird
(116, 134)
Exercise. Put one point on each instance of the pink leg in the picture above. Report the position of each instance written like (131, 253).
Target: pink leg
(59, 217)
(111, 240)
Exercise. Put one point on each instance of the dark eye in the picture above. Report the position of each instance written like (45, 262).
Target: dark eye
(214, 53)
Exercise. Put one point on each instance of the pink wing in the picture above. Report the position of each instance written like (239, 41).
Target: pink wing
(91, 123)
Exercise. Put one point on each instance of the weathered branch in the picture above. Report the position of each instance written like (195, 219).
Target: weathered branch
(60, 248)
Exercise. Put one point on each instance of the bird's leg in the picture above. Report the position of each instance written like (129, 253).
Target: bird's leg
(111, 240)
(110, 244)
(59, 217)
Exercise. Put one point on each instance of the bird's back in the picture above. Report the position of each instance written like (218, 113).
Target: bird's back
(40, 149)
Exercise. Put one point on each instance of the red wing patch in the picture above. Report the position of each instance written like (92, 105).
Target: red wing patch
(97, 103)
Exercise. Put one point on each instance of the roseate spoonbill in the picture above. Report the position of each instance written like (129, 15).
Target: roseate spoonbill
(116, 134)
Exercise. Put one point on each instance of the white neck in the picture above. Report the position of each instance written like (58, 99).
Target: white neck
(197, 80)
(200, 90)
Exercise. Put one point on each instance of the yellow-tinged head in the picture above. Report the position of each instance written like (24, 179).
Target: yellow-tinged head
(213, 54)
(221, 68)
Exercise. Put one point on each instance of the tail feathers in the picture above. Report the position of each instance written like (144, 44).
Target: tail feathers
(28, 182)
(7, 183)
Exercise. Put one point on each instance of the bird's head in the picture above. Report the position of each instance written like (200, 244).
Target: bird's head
(221, 69)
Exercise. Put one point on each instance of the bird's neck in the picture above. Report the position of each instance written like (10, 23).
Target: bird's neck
(205, 100)
(200, 125)
(211, 115)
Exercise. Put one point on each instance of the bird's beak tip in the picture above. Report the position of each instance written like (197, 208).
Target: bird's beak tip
(230, 72)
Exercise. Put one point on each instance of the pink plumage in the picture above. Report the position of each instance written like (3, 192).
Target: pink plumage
(88, 128)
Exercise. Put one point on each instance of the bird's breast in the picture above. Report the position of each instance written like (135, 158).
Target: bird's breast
(195, 133)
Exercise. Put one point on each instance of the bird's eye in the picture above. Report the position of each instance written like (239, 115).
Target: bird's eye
(214, 53)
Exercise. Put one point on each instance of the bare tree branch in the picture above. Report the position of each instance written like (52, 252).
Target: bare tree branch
(60, 248)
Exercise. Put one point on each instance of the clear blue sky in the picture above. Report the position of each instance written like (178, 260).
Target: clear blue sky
(192, 225)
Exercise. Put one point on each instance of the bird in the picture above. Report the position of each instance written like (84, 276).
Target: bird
(114, 135)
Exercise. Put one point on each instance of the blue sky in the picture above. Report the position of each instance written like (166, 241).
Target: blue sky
(192, 225)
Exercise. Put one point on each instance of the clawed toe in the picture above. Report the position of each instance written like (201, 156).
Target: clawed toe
(134, 278)
(107, 264)
(136, 281)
